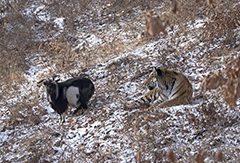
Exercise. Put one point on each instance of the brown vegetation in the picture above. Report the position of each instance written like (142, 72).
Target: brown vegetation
(165, 135)
(227, 79)
(155, 25)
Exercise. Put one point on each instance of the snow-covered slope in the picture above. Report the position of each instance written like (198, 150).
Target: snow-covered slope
(107, 131)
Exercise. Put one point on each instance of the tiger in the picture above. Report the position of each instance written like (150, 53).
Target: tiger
(167, 88)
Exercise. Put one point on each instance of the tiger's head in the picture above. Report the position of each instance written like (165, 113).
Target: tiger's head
(158, 76)
(151, 82)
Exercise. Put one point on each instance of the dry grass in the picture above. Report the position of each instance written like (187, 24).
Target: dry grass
(228, 79)
(142, 126)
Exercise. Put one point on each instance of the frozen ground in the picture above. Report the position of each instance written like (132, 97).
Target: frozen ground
(107, 132)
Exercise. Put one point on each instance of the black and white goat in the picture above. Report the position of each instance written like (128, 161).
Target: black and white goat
(75, 92)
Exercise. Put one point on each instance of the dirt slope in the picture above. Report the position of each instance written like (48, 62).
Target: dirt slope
(118, 57)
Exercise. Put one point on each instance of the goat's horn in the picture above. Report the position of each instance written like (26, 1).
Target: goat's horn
(39, 83)
(56, 76)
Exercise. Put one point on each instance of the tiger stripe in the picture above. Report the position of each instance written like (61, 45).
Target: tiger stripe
(167, 88)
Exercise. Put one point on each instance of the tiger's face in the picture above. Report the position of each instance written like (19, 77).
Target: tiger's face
(159, 77)
(151, 82)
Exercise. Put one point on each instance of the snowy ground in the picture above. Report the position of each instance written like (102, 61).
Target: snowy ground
(107, 132)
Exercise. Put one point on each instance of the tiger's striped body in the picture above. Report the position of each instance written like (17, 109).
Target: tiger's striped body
(167, 88)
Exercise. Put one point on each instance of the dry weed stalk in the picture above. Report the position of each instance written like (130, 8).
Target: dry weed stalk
(213, 81)
(56, 46)
(155, 25)
(139, 154)
(209, 2)
(200, 156)
(171, 157)
(219, 156)
(231, 84)
(223, 23)
(174, 7)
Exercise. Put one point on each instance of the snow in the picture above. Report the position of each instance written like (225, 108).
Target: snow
(105, 129)
(41, 14)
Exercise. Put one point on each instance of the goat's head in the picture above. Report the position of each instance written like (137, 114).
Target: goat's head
(51, 86)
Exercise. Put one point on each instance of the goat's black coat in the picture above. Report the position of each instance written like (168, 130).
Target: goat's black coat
(60, 104)
(86, 89)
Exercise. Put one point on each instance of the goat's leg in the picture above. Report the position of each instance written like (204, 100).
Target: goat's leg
(83, 106)
(75, 112)
(62, 118)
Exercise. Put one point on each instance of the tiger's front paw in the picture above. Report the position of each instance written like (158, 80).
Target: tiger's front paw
(152, 107)
(131, 106)
(162, 105)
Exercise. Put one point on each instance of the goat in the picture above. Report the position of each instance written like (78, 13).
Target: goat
(74, 92)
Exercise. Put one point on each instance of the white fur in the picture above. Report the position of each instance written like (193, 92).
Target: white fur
(73, 96)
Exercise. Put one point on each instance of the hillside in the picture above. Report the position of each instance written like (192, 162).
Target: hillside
(105, 41)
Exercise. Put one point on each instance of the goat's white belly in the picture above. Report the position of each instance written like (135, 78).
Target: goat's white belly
(73, 96)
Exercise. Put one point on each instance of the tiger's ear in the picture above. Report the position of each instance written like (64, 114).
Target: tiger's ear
(159, 72)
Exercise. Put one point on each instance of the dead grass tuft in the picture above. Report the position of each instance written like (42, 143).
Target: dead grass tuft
(200, 156)
(232, 86)
(171, 157)
(219, 156)
(154, 134)
(224, 19)
(230, 83)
